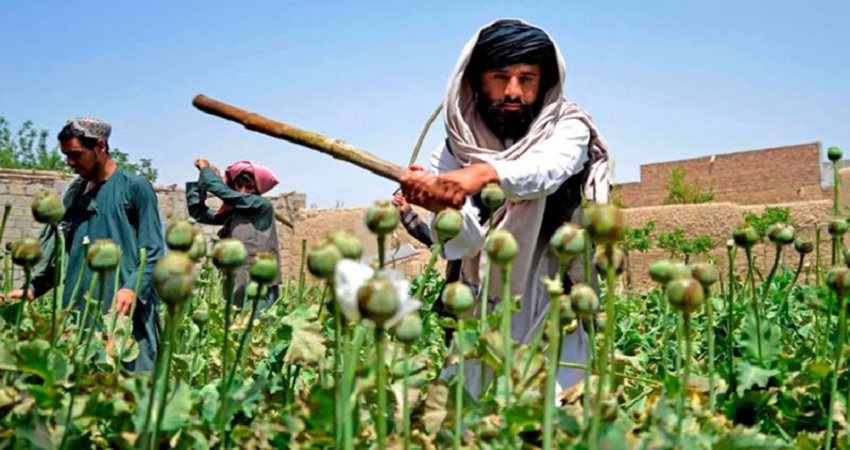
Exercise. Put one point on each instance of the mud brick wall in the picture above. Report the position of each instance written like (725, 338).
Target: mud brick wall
(782, 174)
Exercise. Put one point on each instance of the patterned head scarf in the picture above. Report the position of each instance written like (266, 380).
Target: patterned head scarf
(91, 127)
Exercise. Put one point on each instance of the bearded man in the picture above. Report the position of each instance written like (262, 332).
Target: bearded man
(507, 122)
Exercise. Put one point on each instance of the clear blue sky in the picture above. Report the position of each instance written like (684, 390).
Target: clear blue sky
(664, 80)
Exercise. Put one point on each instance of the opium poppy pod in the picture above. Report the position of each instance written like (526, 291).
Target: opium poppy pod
(661, 271)
(618, 259)
(378, 300)
(173, 277)
(382, 218)
(229, 254)
(685, 294)
(47, 208)
(705, 273)
(458, 298)
(803, 245)
(837, 227)
(567, 242)
(349, 245)
(745, 236)
(448, 224)
(492, 196)
(605, 223)
(322, 257)
(264, 269)
(585, 302)
(103, 256)
(180, 235)
(834, 154)
(409, 328)
(26, 252)
(781, 234)
(502, 247)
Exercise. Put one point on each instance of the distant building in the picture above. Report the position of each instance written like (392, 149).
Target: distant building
(773, 175)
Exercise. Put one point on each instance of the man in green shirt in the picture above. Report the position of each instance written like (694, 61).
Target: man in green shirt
(106, 202)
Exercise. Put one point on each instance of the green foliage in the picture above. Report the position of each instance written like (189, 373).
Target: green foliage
(771, 215)
(639, 239)
(27, 149)
(679, 245)
(680, 192)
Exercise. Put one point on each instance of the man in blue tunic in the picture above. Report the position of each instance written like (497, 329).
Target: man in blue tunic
(107, 202)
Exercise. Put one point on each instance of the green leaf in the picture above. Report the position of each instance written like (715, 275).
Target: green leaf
(770, 339)
(750, 375)
(177, 409)
(308, 344)
(746, 438)
(36, 357)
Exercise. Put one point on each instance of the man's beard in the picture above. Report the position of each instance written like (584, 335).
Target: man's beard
(507, 124)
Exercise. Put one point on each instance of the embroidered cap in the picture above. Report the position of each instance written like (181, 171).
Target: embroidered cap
(91, 127)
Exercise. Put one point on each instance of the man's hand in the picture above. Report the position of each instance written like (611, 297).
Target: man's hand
(200, 163)
(400, 202)
(18, 293)
(435, 192)
(124, 301)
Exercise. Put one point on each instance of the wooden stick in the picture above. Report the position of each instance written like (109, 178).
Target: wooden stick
(333, 147)
(282, 219)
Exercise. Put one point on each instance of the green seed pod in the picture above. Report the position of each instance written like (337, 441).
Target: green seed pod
(837, 227)
(103, 256)
(264, 270)
(502, 247)
(804, 245)
(834, 154)
(378, 300)
(706, 274)
(685, 294)
(173, 277)
(584, 299)
(252, 290)
(199, 247)
(322, 257)
(201, 315)
(458, 298)
(781, 234)
(215, 239)
(730, 244)
(448, 224)
(47, 208)
(681, 271)
(409, 328)
(180, 235)
(745, 236)
(9, 246)
(26, 252)
(567, 242)
(605, 223)
(838, 279)
(382, 218)
(661, 271)
(601, 260)
(492, 196)
(229, 254)
(349, 246)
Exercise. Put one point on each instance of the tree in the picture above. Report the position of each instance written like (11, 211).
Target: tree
(27, 149)
(679, 245)
(680, 192)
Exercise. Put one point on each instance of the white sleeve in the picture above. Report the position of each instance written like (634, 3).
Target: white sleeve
(541, 170)
(470, 240)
